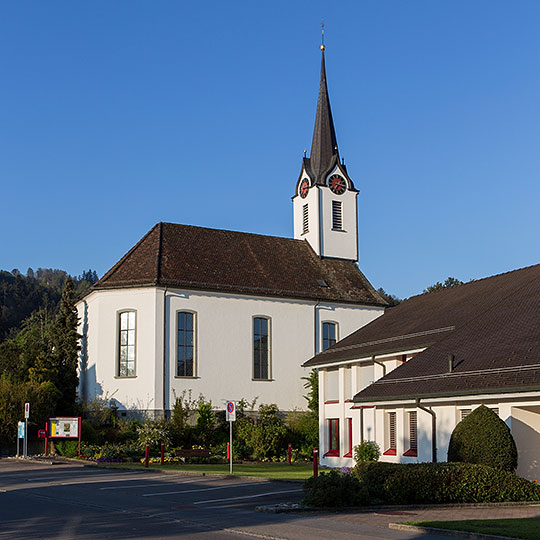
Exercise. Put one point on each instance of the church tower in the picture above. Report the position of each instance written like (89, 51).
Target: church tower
(325, 200)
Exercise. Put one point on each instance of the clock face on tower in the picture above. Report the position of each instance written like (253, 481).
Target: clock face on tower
(337, 184)
(304, 188)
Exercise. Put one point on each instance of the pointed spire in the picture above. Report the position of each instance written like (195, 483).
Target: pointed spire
(324, 144)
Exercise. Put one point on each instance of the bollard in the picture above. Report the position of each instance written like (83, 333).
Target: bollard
(146, 454)
(315, 463)
(162, 452)
(228, 451)
(289, 453)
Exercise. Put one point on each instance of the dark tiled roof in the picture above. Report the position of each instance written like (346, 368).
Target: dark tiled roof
(491, 326)
(197, 258)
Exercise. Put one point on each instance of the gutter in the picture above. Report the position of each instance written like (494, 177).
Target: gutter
(379, 364)
(164, 353)
(433, 429)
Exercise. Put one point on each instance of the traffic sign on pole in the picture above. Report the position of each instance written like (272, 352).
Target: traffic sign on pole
(27, 410)
(231, 411)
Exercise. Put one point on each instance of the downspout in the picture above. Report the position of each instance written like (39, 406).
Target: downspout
(380, 364)
(165, 353)
(361, 424)
(315, 327)
(433, 429)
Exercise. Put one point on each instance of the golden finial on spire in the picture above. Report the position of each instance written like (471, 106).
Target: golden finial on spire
(322, 37)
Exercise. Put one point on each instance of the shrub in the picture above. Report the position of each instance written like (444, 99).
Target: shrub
(69, 448)
(334, 489)
(442, 483)
(268, 435)
(153, 432)
(205, 424)
(303, 431)
(367, 451)
(482, 437)
(88, 433)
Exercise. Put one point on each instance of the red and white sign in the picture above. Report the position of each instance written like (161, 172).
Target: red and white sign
(231, 411)
(27, 410)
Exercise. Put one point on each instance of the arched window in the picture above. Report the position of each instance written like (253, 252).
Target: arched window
(261, 348)
(186, 345)
(126, 343)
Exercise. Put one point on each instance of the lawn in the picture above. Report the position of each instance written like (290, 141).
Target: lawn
(283, 471)
(526, 528)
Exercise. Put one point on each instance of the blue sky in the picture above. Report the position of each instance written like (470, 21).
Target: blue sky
(117, 115)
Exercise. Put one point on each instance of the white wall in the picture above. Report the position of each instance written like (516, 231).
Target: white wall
(224, 358)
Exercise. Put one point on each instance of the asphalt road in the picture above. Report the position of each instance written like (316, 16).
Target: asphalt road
(70, 501)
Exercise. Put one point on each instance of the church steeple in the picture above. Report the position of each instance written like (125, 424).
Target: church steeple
(324, 151)
(324, 204)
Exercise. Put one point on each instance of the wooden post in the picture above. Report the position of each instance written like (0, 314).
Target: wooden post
(315, 463)
(146, 455)
(162, 452)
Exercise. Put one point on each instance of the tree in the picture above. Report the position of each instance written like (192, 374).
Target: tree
(390, 298)
(66, 349)
(312, 386)
(449, 282)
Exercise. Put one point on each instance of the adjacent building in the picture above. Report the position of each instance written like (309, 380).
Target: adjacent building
(406, 379)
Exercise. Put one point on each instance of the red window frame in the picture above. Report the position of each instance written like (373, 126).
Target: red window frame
(392, 448)
(348, 427)
(413, 435)
(333, 450)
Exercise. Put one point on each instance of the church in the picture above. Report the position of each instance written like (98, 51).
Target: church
(229, 315)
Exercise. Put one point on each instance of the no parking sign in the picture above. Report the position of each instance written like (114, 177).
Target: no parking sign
(231, 411)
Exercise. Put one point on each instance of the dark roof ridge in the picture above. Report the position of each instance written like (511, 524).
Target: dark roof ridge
(228, 231)
(457, 374)
(472, 281)
(389, 339)
(113, 270)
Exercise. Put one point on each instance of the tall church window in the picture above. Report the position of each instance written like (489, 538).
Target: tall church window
(305, 219)
(329, 334)
(126, 344)
(261, 348)
(337, 216)
(185, 359)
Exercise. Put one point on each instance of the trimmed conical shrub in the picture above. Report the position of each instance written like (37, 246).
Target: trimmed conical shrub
(482, 437)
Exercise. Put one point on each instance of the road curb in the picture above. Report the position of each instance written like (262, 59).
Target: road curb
(447, 532)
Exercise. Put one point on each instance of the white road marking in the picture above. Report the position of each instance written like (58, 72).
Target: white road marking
(90, 473)
(154, 485)
(100, 481)
(203, 489)
(248, 496)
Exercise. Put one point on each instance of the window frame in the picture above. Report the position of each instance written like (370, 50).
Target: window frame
(348, 437)
(269, 348)
(119, 345)
(195, 345)
(332, 451)
(389, 433)
(335, 324)
(412, 433)
(337, 216)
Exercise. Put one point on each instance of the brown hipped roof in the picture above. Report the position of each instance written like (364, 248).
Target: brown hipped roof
(491, 326)
(197, 258)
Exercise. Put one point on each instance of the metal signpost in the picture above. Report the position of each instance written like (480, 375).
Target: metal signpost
(231, 417)
(26, 416)
(20, 435)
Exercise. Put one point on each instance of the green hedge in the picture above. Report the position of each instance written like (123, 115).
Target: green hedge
(424, 483)
(442, 483)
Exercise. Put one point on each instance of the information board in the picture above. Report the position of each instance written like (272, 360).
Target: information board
(64, 427)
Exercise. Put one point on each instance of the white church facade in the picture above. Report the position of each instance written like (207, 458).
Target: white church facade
(231, 315)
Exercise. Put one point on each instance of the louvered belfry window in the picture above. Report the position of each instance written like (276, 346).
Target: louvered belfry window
(337, 216)
(305, 219)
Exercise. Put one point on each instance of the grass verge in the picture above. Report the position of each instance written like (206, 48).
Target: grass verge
(526, 528)
(275, 471)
